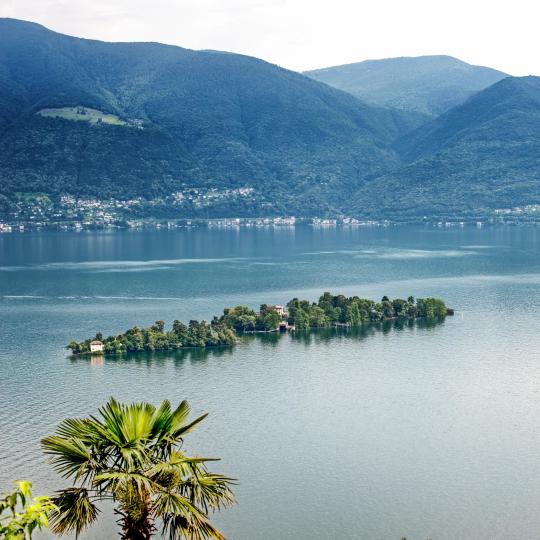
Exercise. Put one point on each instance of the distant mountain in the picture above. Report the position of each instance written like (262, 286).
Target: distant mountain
(208, 134)
(174, 117)
(481, 155)
(428, 85)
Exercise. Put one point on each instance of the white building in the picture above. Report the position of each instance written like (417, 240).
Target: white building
(280, 310)
(96, 347)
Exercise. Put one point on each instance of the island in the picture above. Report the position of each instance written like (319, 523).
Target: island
(225, 330)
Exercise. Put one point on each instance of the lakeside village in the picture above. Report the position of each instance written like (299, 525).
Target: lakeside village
(38, 211)
(224, 331)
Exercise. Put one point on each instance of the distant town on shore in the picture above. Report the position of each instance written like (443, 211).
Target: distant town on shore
(76, 214)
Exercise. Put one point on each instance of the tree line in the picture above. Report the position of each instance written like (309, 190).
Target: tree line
(333, 310)
(330, 310)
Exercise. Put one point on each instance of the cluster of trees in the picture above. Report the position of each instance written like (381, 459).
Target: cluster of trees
(221, 331)
(156, 338)
(329, 311)
(243, 319)
(354, 311)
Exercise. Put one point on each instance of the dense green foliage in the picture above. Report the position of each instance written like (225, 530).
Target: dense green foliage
(355, 311)
(156, 338)
(427, 85)
(21, 515)
(243, 319)
(223, 331)
(131, 454)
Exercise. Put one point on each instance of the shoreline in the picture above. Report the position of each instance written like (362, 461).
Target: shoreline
(14, 227)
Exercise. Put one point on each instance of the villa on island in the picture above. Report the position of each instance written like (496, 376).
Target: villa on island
(283, 314)
(280, 310)
(96, 346)
(284, 325)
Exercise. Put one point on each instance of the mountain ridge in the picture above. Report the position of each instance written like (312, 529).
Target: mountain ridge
(432, 137)
(430, 84)
(210, 119)
(207, 134)
(479, 156)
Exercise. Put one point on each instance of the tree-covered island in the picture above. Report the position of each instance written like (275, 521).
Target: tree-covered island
(298, 314)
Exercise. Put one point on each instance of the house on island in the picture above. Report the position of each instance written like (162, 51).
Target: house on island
(283, 325)
(279, 309)
(96, 346)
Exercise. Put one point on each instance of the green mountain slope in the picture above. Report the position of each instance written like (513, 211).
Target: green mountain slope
(203, 133)
(482, 155)
(181, 118)
(427, 85)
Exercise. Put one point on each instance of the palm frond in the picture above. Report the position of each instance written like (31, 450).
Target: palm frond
(127, 428)
(180, 415)
(118, 481)
(162, 421)
(71, 457)
(182, 519)
(182, 430)
(74, 511)
(212, 491)
(79, 428)
(179, 461)
(118, 421)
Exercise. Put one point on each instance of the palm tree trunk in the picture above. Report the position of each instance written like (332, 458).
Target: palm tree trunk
(137, 527)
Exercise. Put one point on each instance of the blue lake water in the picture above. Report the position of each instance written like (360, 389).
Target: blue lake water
(417, 431)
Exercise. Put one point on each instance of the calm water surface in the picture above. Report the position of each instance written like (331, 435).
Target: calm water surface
(424, 432)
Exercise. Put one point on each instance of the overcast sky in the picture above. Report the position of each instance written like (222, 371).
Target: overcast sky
(307, 34)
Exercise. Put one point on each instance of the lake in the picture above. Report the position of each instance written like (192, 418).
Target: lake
(423, 431)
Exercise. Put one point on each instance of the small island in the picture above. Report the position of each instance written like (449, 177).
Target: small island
(329, 311)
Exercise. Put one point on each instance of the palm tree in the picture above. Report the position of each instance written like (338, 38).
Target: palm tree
(131, 454)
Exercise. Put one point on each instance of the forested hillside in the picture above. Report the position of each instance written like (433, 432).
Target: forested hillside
(482, 155)
(191, 119)
(163, 131)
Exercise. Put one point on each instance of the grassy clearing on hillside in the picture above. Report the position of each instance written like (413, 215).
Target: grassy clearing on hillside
(84, 114)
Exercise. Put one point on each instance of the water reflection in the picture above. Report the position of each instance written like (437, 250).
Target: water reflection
(195, 355)
(311, 337)
(96, 360)
(270, 339)
(323, 335)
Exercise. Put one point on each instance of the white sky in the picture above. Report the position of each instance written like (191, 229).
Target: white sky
(307, 34)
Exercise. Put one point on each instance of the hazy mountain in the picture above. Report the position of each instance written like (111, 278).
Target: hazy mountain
(429, 85)
(484, 154)
(180, 117)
